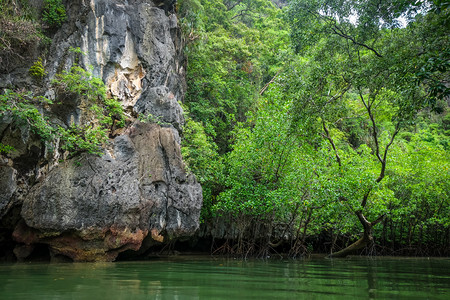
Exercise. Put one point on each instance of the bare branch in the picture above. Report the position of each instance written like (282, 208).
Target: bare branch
(338, 31)
(328, 137)
(368, 107)
(383, 163)
(267, 85)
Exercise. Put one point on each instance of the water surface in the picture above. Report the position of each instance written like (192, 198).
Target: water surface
(207, 278)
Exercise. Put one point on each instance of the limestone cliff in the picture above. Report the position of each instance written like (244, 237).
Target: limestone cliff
(137, 193)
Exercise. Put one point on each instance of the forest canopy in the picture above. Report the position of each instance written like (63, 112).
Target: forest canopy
(321, 125)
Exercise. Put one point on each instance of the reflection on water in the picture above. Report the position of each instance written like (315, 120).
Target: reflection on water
(206, 278)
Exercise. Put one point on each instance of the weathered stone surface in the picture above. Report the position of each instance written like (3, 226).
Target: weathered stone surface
(162, 104)
(134, 46)
(91, 208)
(102, 206)
(7, 187)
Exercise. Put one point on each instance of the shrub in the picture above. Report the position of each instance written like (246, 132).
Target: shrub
(37, 70)
(54, 13)
(114, 110)
(6, 148)
(150, 118)
(17, 39)
(23, 108)
(82, 82)
(27, 110)
(82, 138)
(88, 137)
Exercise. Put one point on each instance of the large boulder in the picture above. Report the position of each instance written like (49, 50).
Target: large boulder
(92, 208)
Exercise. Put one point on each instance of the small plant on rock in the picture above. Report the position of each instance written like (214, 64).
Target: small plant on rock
(104, 111)
(37, 70)
(5, 149)
(115, 111)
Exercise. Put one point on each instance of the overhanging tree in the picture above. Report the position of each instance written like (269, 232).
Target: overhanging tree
(359, 56)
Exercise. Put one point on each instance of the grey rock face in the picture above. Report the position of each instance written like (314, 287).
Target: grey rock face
(137, 187)
(92, 208)
(162, 105)
(134, 46)
(7, 187)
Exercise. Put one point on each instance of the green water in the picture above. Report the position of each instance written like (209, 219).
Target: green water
(206, 278)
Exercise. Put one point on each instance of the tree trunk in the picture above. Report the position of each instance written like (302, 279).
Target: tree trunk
(364, 241)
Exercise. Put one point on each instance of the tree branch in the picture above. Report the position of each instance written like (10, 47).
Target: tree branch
(366, 196)
(267, 85)
(378, 220)
(230, 6)
(362, 219)
(338, 95)
(338, 31)
(241, 13)
(383, 163)
(328, 137)
(368, 107)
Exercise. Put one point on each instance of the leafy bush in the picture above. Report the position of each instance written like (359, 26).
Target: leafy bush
(89, 137)
(82, 138)
(191, 14)
(17, 39)
(37, 70)
(5, 148)
(23, 108)
(28, 110)
(202, 159)
(54, 13)
(82, 82)
(150, 118)
(114, 110)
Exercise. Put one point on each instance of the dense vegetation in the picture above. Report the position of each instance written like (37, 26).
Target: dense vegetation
(23, 33)
(317, 125)
(28, 110)
(312, 125)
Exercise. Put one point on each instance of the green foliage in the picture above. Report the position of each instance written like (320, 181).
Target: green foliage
(23, 109)
(199, 151)
(37, 70)
(420, 179)
(82, 138)
(262, 175)
(245, 50)
(202, 159)
(335, 134)
(81, 82)
(16, 7)
(191, 16)
(29, 110)
(20, 32)
(54, 13)
(6, 148)
(114, 110)
(150, 118)
(245, 40)
(361, 76)
(77, 50)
